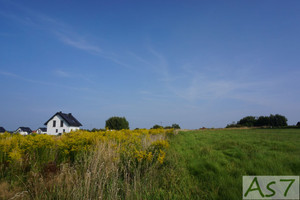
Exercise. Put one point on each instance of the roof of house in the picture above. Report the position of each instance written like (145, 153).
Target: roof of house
(2, 130)
(43, 129)
(25, 129)
(69, 118)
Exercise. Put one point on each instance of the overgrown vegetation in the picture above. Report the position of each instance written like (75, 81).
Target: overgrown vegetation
(211, 163)
(117, 123)
(174, 126)
(262, 121)
(144, 164)
(81, 164)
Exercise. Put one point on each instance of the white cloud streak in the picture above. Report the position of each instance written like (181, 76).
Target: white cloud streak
(18, 77)
(67, 74)
(79, 43)
(63, 32)
(195, 84)
(9, 74)
(62, 73)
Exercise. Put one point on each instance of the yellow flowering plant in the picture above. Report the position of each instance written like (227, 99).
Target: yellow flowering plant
(133, 146)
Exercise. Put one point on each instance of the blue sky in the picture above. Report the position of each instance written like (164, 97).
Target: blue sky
(195, 63)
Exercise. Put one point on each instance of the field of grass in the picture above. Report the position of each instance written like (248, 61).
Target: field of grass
(143, 164)
(81, 165)
(212, 162)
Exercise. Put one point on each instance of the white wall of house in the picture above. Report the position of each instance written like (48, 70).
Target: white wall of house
(21, 132)
(58, 127)
(39, 131)
(73, 128)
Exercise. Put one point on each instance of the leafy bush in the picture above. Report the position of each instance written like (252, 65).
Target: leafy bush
(117, 123)
(247, 121)
(278, 120)
(175, 126)
(263, 121)
(232, 125)
(272, 120)
(157, 127)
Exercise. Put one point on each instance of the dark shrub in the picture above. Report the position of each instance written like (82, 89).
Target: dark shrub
(263, 121)
(175, 126)
(156, 126)
(247, 121)
(117, 123)
(278, 120)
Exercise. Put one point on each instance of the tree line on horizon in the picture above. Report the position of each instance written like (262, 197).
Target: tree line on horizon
(261, 121)
(119, 123)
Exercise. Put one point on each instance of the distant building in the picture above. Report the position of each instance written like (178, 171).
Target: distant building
(62, 123)
(41, 131)
(23, 130)
(2, 130)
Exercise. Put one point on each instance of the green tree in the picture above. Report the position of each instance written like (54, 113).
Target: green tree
(156, 126)
(175, 126)
(247, 121)
(117, 123)
(263, 121)
(278, 120)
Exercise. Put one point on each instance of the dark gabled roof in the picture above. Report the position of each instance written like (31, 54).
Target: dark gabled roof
(43, 129)
(25, 129)
(2, 130)
(69, 118)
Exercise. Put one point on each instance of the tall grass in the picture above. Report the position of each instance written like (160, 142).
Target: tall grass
(214, 161)
(204, 164)
(95, 175)
(82, 165)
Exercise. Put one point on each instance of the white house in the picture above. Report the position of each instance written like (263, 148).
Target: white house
(23, 130)
(41, 131)
(62, 123)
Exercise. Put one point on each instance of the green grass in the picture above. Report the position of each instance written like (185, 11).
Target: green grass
(203, 164)
(209, 164)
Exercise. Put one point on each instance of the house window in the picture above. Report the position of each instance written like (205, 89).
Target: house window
(56, 130)
(64, 130)
(61, 123)
(54, 123)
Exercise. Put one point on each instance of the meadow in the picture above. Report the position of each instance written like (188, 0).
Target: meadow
(80, 165)
(143, 164)
(212, 162)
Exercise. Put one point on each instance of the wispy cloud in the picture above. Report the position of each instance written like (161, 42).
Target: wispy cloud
(163, 66)
(9, 74)
(195, 83)
(22, 20)
(62, 73)
(140, 59)
(79, 43)
(62, 32)
(16, 76)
